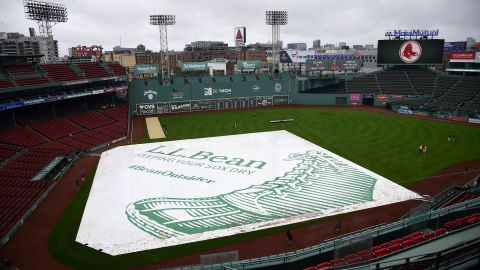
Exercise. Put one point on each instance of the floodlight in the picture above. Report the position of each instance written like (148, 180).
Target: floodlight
(162, 21)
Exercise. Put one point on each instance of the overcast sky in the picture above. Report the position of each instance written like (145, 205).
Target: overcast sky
(103, 22)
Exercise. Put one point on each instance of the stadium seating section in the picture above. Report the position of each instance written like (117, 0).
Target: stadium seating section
(6, 84)
(398, 244)
(19, 69)
(93, 70)
(24, 151)
(61, 72)
(117, 69)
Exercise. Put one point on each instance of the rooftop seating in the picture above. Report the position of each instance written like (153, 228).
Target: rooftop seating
(117, 69)
(32, 80)
(61, 72)
(19, 68)
(93, 70)
(6, 84)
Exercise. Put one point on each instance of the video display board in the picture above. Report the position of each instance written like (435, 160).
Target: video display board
(410, 52)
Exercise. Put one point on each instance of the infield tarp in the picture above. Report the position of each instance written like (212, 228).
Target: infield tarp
(163, 194)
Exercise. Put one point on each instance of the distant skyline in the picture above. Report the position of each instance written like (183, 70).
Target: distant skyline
(354, 22)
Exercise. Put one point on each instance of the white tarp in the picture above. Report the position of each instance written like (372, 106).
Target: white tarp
(156, 195)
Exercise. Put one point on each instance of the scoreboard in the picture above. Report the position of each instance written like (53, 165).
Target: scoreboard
(410, 52)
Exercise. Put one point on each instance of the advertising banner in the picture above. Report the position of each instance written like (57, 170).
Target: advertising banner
(75, 95)
(382, 97)
(176, 192)
(180, 106)
(458, 46)
(410, 52)
(163, 107)
(202, 105)
(355, 97)
(240, 36)
(280, 100)
(467, 57)
(194, 66)
(264, 101)
(251, 65)
(146, 69)
(294, 56)
(146, 108)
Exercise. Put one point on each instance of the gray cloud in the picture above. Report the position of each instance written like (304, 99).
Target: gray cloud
(102, 22)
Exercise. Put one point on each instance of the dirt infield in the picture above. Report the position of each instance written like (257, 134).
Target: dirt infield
(28, 249)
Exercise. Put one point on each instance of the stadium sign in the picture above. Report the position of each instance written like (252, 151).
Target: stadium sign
(210, 91)
(411, 33)
(194, 66)
(146, 108)
(82, 51)
(177, 192)
(240, 36)
(146, 69)
(457, 46)
(294, 56)
(249, 65)
(465, 57)
(410, 52)
(150, 94)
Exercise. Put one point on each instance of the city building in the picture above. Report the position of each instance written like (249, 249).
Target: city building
(329, 46)
(317, 44)
(357, 47)
(19, 44)
(341, 44)
(470, 42)
(369, 47)
(301, 46)
(206, 46)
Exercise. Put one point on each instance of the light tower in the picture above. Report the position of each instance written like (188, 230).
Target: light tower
(162, 21)
(275, 18)
(46, 15)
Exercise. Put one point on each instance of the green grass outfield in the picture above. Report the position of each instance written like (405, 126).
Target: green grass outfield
(384, 143)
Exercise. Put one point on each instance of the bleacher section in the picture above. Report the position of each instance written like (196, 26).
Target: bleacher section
(398, 244)
(117, 69)
(61, 72)
(37, 145)
(423, 80)
(366, 84)
(93, 70)
(395, 82)
(459, 93)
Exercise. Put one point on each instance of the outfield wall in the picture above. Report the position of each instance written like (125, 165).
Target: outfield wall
(187, 94)
(206, 93)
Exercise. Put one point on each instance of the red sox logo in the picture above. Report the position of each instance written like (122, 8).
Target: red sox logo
(410, 51)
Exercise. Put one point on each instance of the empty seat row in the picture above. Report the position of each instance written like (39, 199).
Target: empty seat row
(397, 244)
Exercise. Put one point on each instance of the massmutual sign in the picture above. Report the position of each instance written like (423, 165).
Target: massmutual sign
(155, 195)
(194, 66)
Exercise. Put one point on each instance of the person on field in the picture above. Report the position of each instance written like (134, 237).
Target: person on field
(420, 149)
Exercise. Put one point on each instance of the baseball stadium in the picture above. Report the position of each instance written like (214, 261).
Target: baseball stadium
(305, 159)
